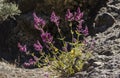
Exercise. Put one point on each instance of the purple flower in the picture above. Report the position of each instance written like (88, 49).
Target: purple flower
(31, 62)
(26, 64)
(38, 22)
(69, 16)
(55, 19)
(85, 32)
(22, 48)
(36, 58)
(79, 26)
(36, 19)
(74, 40)
(78, 15)
(38, 46)
(46, 37)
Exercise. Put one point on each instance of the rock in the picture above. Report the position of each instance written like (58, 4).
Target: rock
(81, 75)
(2, 75)
(106, 51)
(103, 21)
(98, 64)
(6, 43)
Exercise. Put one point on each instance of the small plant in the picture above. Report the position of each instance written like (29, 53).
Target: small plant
(8, 10)
(71, 62)
(71, 57)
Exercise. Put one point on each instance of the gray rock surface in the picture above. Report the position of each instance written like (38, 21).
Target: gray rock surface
(107, 45)
(10, 71)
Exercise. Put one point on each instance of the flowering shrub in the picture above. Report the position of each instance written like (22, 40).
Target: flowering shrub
(68, 59)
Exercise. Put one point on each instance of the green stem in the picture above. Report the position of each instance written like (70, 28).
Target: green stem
(72, 33)
(59, 31)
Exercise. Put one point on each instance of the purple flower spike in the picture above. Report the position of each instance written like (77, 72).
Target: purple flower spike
(85, 32)
(55, 19)
(38, 46)
(78, 10)
(36, 19)
(46, 37)
(22, 48)
(78, 15)
(79, 26)
(69, 16)
(38, 22)
(42, 22)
